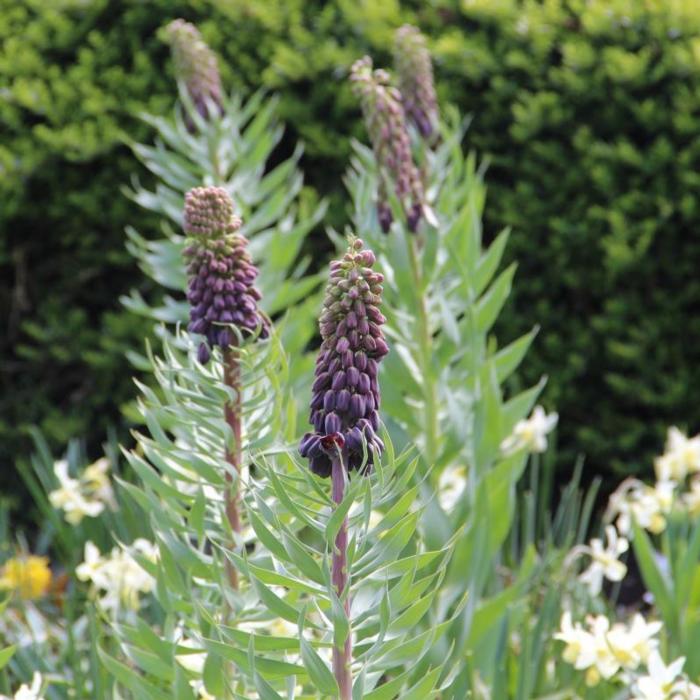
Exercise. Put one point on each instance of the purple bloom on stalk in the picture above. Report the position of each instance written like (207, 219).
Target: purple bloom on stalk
(385, 119)
(345, 394)
(195, 65)
(221, 273)
(415, 74)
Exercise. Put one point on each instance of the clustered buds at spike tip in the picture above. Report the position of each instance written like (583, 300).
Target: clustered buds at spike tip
(195, 65)
(345, 394)
(220, 270)
(386, 123)
(415, 73)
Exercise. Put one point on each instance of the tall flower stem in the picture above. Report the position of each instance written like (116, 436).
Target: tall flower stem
(232, 414)
(342, 656)
(344, 408)
(425, 346)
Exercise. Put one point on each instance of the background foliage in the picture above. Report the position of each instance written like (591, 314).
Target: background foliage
(586, 109)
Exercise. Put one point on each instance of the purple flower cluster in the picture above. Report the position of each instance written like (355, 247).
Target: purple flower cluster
(195, 65)
(386, 123)
(415, 74)
(220, 270)
(345, 394)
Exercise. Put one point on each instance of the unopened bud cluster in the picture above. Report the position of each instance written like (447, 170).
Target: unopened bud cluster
(415, 74)
(385, 119)
(221, 273)
(345, 394)
(195, 65)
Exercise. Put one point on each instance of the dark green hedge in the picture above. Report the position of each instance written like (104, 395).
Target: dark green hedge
(74, 74)
(591, 114)
(587, 110)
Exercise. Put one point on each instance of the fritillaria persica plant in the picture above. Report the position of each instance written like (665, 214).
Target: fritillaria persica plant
(196, 67)
(418, 570)
(223, 305)
(345, 398)
(221, 291)
(345, 402)
(384, 114)
(414, 70)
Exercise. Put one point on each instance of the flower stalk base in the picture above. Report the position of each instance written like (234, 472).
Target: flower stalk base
(232, 414)
(342, 656)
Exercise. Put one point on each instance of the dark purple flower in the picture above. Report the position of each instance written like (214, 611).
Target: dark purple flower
(386, 123)
(345, 394)
(415, 73)
(220, 270)
(195, 66)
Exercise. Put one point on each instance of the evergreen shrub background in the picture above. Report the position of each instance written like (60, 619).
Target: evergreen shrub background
(589, 113)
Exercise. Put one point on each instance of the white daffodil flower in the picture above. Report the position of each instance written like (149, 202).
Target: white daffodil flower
(633, 645)
(136, 577)
(94, 567)
(685, 690)
(67, 485)
(580, 649)
(662, 681)
(634, 501)
(192, 662)
(664, 493)
(531, 434)
(606, 662)
(201, 691)
(691, 498)
(33, 692)
(603, 650)
(605, 562)
(451, 485)
(682, 456)
(69, 497)
(277, 627)
(96, 482)
(643, 636)
(118, 578)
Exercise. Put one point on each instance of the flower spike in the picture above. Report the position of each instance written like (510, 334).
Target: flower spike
(386, 123)
(220, 270)
(415, 73)
(195, 65)
(345, 395)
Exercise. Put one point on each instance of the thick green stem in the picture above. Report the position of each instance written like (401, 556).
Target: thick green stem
(425, 357)
(342, 655)
(232, 414)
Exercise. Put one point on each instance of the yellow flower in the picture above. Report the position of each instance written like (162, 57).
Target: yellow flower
(29, 576)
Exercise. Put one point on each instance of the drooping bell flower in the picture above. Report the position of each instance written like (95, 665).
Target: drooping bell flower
(385, 120)
(415, 74)
(345, 394)
(195, 66)
(221, 273)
